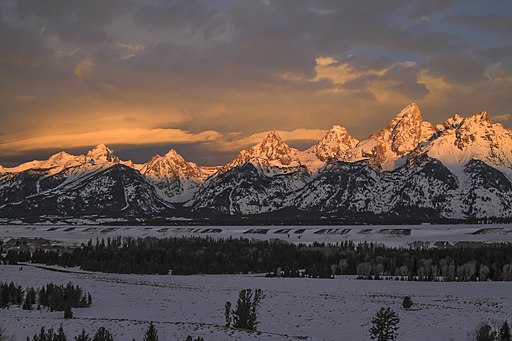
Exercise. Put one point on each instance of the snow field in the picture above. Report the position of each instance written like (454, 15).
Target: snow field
(314, 309)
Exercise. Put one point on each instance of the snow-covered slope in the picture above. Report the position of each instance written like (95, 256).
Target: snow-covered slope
(58, 161)
(111, 192)
(258, 180)
(461, 140)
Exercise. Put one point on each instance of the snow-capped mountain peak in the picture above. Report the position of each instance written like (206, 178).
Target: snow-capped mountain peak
(171, 164)
(271, 149)
(474, 137)
(335, 142)
(101, 154)
(173, 154)
(61, 157)
(388, 149)
(406, 130)
(174, 178)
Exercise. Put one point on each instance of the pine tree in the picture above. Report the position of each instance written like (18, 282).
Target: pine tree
(245, 313)
(103, 335)
(385, 325)
(189, 338)
(41, 336)
(485, 333)
(227, 313)
(83, 336)
(407, 303)
(68, 313)
(151, 333)
(60, 336)
(504, 333)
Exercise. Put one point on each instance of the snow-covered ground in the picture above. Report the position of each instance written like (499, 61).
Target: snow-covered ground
(316, 309)
(390, 235)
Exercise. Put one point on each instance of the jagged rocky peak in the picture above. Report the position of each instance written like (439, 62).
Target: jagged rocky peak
(452, 123)
(389, 148)
(171, 164)
(474, 137)
(101, 154)
(272, 149)
(335, 142)
(406, 130)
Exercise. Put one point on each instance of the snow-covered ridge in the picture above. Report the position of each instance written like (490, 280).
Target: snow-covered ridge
(460, 168)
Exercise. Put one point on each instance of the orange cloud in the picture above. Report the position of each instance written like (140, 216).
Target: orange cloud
(143, 136)
(235, 141)
(111, 136)
(84, 68)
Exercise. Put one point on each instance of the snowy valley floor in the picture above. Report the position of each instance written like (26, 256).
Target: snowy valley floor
(293, 309)
(391, 235)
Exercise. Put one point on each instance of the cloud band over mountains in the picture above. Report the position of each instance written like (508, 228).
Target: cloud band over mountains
(220, 73)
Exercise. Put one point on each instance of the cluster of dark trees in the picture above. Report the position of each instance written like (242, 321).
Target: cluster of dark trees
(102, 334)
(52, 296)
(185, 256)
(486, 332)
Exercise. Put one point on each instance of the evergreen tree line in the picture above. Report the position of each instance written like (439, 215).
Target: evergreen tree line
(102, 334)
(485, 332)
(186, 256)
(52, 296)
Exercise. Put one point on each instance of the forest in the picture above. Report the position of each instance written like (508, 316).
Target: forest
(187, 256)
(51, 296)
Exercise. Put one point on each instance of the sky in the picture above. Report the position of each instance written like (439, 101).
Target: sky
(209, 78)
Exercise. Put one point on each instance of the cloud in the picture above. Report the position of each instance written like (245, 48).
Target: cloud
(236, 141)
(25, 98)
(213, 140)
(84, 68)
(246, 66)
(187, 16)
(501, 118)
(131, 136)
(395, 83)
(493, 22)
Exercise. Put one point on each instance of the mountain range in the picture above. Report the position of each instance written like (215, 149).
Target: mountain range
(410, 171)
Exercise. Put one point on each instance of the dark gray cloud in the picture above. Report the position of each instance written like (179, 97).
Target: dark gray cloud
(72, 21)
(187, 16)
(493, 22)
(246, 66)
(456, 68)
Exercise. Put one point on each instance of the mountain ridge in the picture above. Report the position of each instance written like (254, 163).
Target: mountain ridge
(459, 169)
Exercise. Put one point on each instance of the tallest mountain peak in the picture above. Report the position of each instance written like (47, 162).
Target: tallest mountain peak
(407, 115)
(406, 130)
